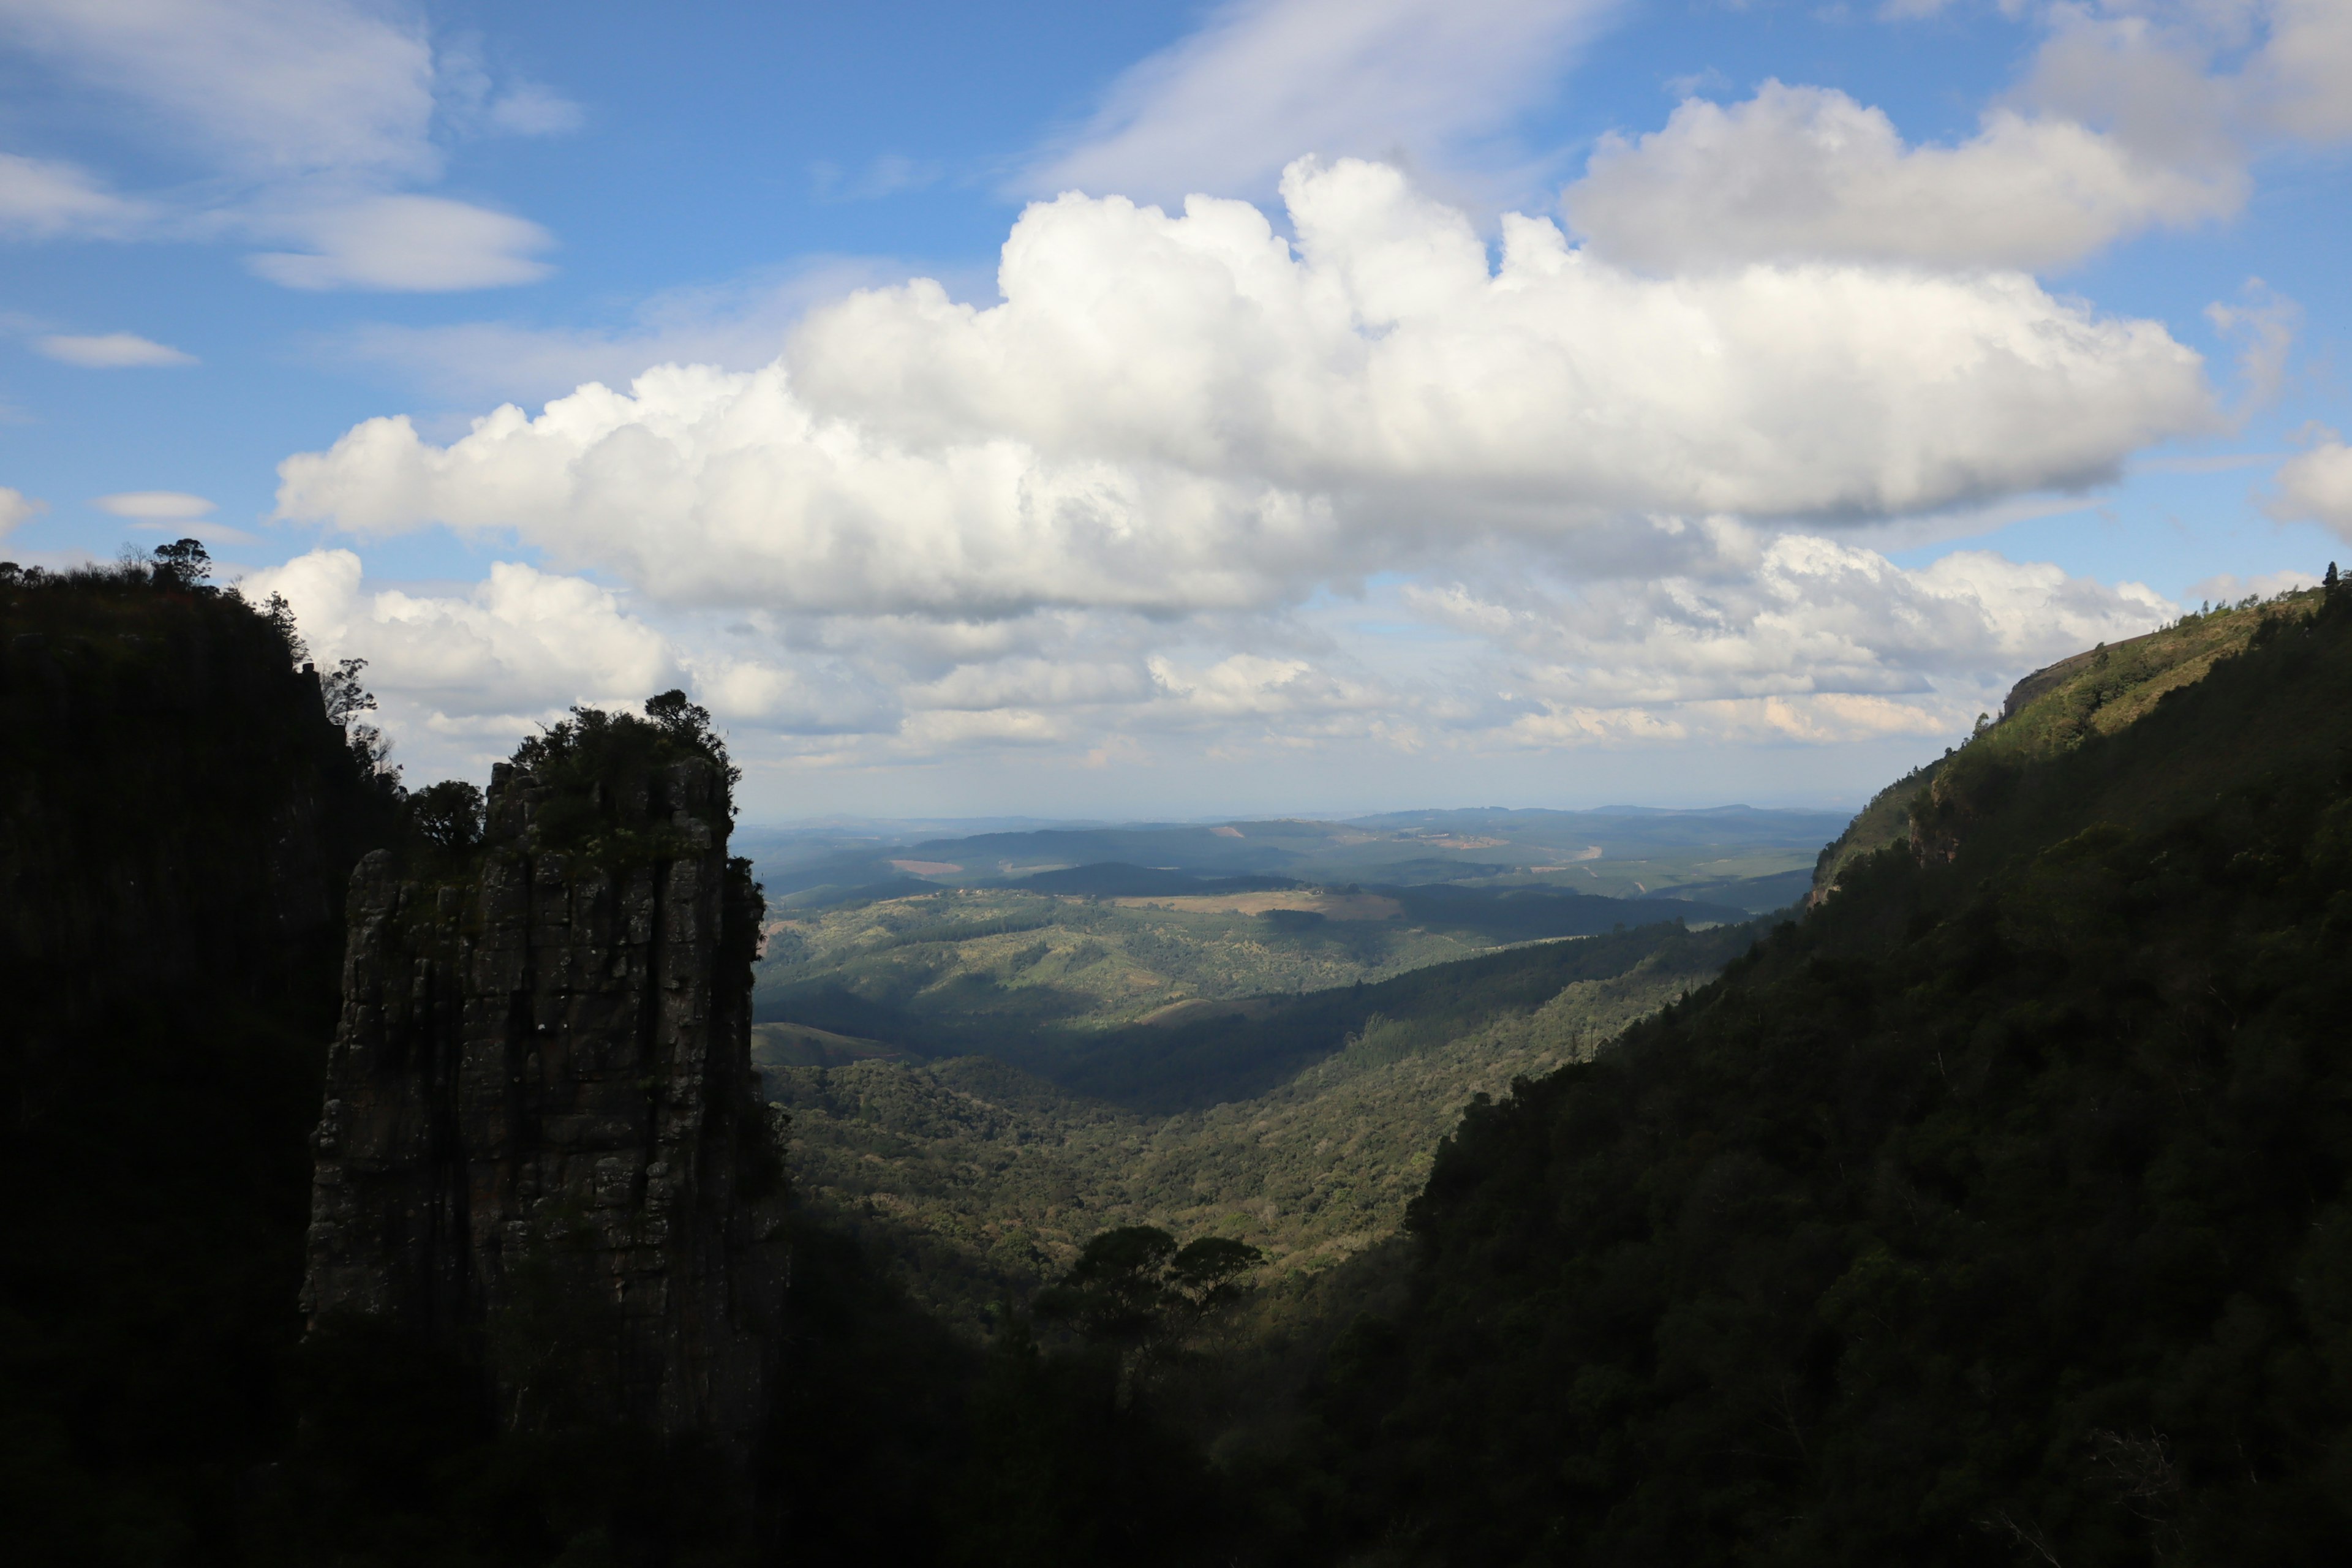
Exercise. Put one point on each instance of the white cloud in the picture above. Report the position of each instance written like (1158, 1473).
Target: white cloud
(2302, 80)
(471, 99)
(1251, 685)
(2193, 78)
(528, 108)
(1747, 617)
(111, 351)
(17, 508)
(418, 244)
(1799, 173)
(267, 88)
(1179, 413)
(305, 121)
(2149, 82)
(2265, 325)
(521, 646)
(153, 504)
(2228, 587)
(1748, 638)
(1264, 80)
(2315, 487)
(43, 199)
(1101, 508)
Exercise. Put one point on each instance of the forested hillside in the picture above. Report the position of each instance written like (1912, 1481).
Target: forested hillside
(1026, 973)
(1303, 1130)
(178, 811)
(1997, 1211)
(2096, 692)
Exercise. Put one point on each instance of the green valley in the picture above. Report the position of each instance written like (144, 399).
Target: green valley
(979, 1179)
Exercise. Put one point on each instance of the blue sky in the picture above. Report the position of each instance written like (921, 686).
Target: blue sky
(1900, 349)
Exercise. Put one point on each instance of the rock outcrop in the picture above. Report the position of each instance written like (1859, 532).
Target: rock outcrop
(541, 1122)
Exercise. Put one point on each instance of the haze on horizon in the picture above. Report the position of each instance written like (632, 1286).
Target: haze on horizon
(1280, 407)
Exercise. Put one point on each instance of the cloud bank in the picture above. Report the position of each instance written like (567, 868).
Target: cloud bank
(1801, 172)
(1183, 413)
(1145, 493)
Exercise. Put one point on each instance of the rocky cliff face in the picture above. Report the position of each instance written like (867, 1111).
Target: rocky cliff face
(541, 1121)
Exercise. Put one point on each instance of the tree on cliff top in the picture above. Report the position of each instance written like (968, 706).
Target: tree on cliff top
(591, 759)
(184, 562)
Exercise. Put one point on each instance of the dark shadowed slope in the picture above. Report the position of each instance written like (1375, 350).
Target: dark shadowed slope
(1998, 1213)
(177, 819)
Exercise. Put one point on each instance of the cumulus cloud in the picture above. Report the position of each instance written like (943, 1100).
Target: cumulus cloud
(413, 243)
(1262, 80)
(2196, 79)
(1750, 615)
(521, 646)
(1178, 413)
(1799, 173)
(2315, 487)
(17, 508)
(2131, 115)
(153, 506)
(1795, 639)
(1753, 638)
(111, 351)
(2302, 80)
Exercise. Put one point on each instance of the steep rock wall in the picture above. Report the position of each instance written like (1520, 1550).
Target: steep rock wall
(541, 1121)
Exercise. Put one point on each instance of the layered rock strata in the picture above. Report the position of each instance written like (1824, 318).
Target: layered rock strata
(541, 1123)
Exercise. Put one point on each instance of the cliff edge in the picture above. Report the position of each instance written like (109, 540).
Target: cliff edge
(2051, 712)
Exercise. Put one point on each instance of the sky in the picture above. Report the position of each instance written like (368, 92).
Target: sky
(1304, 407)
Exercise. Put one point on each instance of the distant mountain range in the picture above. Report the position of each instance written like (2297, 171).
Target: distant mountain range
(1737, 857)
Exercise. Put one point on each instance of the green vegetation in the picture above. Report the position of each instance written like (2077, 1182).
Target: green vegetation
(178, 812)
(2000, 1212)
(978, 1179)
(1023, 975)
(584, 765)
(976, 971)
(182, 800)
(2056, 710)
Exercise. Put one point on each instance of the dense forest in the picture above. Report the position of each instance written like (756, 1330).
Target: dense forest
(1301, 1127)
(180, 803)
(1993, 1210)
